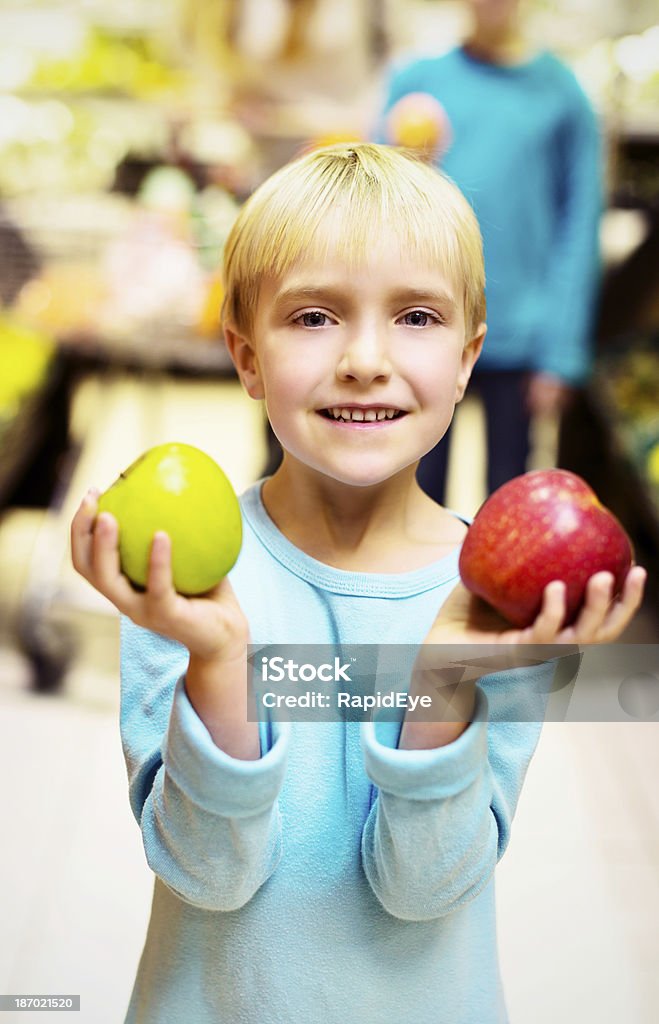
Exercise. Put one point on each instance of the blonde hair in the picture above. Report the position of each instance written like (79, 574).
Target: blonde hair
(373, 187)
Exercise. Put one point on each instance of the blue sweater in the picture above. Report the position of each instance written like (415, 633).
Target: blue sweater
(336, 879)
(526, 152)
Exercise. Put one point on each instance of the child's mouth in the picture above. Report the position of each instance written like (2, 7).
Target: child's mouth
(362, 417)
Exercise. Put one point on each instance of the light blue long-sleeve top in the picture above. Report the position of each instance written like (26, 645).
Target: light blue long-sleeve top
(337, 878)
(525, 149)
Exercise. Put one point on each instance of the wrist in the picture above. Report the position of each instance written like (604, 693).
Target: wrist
(219, 690)
(430, 735)
(217, 664)
(225, 643)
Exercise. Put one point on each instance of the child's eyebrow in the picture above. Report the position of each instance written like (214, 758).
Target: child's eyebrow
(317, 293)
(429, 296)
(403, 296)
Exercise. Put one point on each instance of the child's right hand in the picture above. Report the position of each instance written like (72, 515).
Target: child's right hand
(212, 627)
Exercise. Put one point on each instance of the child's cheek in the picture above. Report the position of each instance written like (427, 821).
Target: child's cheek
(285, 397)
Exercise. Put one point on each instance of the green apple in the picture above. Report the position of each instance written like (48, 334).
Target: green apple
(181, 490)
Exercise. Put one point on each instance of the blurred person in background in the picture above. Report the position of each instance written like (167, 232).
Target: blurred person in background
(513, 128)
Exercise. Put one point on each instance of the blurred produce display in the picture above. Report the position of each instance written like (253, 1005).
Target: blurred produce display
(122, 183)
(25, 359)
(621, 71)
(122, 270)
(634, 385)
(65, 146)
(65, 122)
(627, 382)
(104, 62)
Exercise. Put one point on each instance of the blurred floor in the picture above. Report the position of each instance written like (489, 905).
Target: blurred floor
(578, 889)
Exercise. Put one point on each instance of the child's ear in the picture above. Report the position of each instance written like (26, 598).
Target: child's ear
(244, 358)
(470, 354)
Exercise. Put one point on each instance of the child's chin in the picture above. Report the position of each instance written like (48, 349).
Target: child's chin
(371, 477)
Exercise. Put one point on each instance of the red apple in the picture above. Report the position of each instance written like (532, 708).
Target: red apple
(541, 526)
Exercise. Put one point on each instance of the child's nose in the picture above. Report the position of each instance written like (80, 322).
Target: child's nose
(366, 357)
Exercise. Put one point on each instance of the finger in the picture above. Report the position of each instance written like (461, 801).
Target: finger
(552, 612)
(106, 566)
(159, 580)
(82, 528)
(623, 610)
(599, 590)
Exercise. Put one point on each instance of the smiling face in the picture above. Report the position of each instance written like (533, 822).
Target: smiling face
(353, 278)
(360, 367)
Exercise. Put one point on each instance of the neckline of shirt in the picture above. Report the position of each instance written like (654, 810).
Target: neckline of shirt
(343, 581)
(521, 67)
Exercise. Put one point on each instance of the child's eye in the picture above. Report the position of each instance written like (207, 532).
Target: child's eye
(313, 318)
(420, 318)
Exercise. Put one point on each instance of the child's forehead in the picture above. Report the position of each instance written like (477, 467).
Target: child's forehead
(350, 233)
(380, 275)
(388, 259)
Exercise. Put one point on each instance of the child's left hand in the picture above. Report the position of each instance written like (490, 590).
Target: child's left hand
(466, 619)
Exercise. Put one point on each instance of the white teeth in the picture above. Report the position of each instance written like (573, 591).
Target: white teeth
(362, 415)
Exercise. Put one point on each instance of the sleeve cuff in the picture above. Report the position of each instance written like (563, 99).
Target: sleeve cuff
(211, 778)
(427, 774)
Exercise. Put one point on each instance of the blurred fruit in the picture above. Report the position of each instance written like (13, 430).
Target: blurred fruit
(167, 188)
(331, 139)
(64, 299)
(178, 489)
(419, 121)
(209, 320)
(154, 280)
(541, 526)
(634, 382)
(25, 358)
(653, 465)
